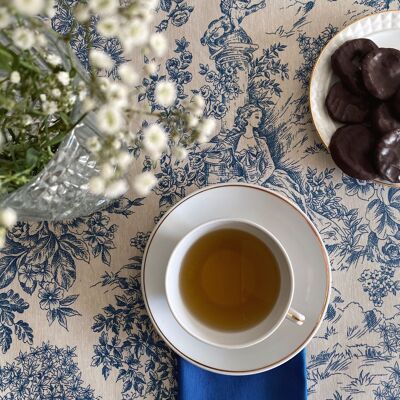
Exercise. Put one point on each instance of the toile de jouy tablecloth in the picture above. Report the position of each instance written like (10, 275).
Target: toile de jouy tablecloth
(72, 320)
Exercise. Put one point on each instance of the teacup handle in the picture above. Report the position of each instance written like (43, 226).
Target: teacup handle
(295, 316)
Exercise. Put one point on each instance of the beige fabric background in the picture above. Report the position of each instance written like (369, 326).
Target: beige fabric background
(350, 358)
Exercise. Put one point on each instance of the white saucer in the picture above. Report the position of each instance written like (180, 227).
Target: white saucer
(304, 248)
(384, 29)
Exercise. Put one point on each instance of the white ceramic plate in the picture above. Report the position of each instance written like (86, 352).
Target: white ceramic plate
(294, 231)
(384, 29)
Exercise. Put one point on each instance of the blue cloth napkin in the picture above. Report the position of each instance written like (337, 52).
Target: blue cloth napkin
(287, 382)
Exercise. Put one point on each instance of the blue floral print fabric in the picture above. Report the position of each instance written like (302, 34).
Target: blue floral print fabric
(72, 319)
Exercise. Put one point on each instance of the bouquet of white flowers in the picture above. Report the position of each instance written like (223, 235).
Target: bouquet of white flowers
(46, 93)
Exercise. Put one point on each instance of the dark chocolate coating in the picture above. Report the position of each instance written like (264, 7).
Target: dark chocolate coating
(381, 72)
(352, 148)
(346, 63)
(388, 156)
(383, 120)
(396, 104)
(344, 106)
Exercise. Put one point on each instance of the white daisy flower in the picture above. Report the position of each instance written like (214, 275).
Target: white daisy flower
(8, 217)
(104, 83)
(128, 74)
(206, 129)
(117, 94)
(97, 185)
(50, 8)
(82, 94)
(49, 107)
(63, 78)
(27, 120)
(71, 99)
(135, 33)
(150, 68)
(155, 140)
(23, 38)
(158, 44)
(104, 7)
(107, 171)
(54, 60)
(15, 77)
(124, 159)
(88, 104)
(56, 93)
(116, 189)
(165, 93)
(93, 144)
(82, 91)
(5, 18)
(29, 7)
(144, 182)
(180, 153)
(149, 4)
(108, 26)
(109, 119)
(192, 121)
(116, 144)
(198, 104)
(100, 59)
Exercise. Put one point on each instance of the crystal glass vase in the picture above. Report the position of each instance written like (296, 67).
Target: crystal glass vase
(60, 190)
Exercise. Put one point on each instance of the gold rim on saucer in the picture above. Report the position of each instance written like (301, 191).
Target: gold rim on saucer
(317, 129)
(327, 290)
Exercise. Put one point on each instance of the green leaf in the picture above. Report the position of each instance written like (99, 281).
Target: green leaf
(64, 118)
(29, 66)
(57, 139)
(5, 60)
(32, 156)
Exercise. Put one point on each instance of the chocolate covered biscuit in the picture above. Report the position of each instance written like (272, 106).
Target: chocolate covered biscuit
(383, 119)
(346, 63)
(344, 106)
(395, 102)
(388, 156)
(381, 72)
(352, 148)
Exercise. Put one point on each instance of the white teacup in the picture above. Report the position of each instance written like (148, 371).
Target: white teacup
(238, 339)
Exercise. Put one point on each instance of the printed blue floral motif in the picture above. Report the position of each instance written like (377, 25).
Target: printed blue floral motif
(310, 48)
(140, 240)
(364, 190)
(177, 72)
(65, 23)
(178, 13)
(128, 342)
(379, 283)
(378, 5)
(42, 257)
(11, 304)
(47, 373)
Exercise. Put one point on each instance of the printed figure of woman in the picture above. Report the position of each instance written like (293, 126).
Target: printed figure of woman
(243, 153)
